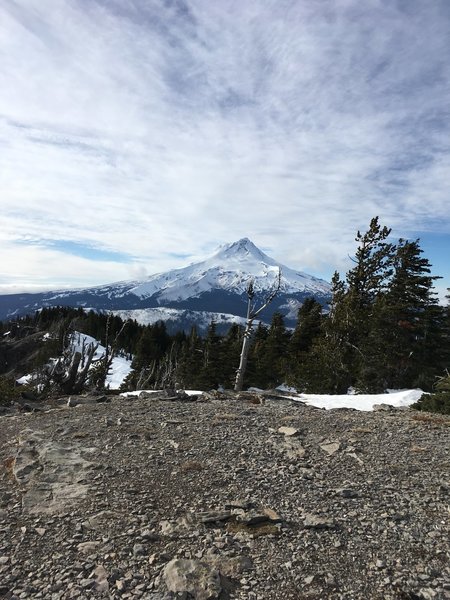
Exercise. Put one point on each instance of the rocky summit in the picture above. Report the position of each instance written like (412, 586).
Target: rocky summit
(222, 496)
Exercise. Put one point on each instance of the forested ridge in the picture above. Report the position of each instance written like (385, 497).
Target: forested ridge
(384, 329)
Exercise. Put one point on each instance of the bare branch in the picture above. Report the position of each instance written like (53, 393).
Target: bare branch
(251, 315)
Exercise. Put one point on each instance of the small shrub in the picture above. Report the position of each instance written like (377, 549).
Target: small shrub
(9, 391)
(443, 383)
(437, 403)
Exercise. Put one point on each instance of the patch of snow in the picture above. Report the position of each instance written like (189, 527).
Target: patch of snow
(286, 388)
(120, 369)
(120, 366)
(150, 316)
(364, 402)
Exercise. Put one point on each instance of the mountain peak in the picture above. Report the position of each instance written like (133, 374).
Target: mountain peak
(243, 242)
(242, 247)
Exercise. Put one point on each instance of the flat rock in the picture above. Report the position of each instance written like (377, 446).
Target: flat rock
(293, 448)
(210, 517)
(312, 521)
(87, 547)
(330, 447)
(52, 473)
(194, 577)
(288, 431)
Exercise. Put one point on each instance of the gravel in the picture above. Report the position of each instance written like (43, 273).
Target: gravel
(266, 498)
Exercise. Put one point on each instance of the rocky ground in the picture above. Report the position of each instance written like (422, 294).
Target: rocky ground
(223, 497)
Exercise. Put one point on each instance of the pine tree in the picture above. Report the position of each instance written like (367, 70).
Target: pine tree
(403, 346)
(340, 351)
(309, 320)
(275, 351)
(308, 328)
(190, 361)
(231, 348)
(255, 375)
(327, 368)
(211, 374)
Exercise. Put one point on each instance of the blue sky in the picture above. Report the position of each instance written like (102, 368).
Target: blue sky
(137, 136)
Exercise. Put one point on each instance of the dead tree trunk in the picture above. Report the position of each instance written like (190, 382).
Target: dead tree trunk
(252, 313)
(105, 362)
(66, 372)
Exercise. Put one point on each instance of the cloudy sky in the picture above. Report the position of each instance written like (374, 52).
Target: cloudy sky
(138, 135)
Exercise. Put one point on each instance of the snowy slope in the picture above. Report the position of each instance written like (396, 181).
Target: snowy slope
(120, 366)
(177, 319)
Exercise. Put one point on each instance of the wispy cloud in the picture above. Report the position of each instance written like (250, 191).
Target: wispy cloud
(150, 129)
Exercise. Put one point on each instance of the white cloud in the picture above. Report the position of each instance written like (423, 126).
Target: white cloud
(158, 128)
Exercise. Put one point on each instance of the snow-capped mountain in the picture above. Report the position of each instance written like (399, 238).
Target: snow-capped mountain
(215, 285)
(230, 269)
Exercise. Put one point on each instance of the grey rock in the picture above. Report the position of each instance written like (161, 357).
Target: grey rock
(383, 407)
(210, 517)
(78, 400)
(52, 473)
(139, 550)
(136, 482)
(288, 431)
(294, 448)
(347, 493)
(330, 447)
(193, 577)
(100, 576)
(88, 547)
(150, 536)
(312, 521)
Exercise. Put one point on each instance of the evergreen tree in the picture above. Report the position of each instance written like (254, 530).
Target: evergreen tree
(309, 320)
(255, 375)
(327, 366)
(308, 327)
(151, 347)
(324, 369)
(231, 349)
(275, 351)
(340, 350)
(403, 346)
(190, 361)
(364, 283)
(211, 374)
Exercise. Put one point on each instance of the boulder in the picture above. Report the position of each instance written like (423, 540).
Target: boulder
(194, 577)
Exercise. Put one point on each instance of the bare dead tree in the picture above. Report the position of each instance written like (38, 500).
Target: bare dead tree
(70, 371)
(252, 313)
(105, 362)
(146, 376)
(167, 369)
